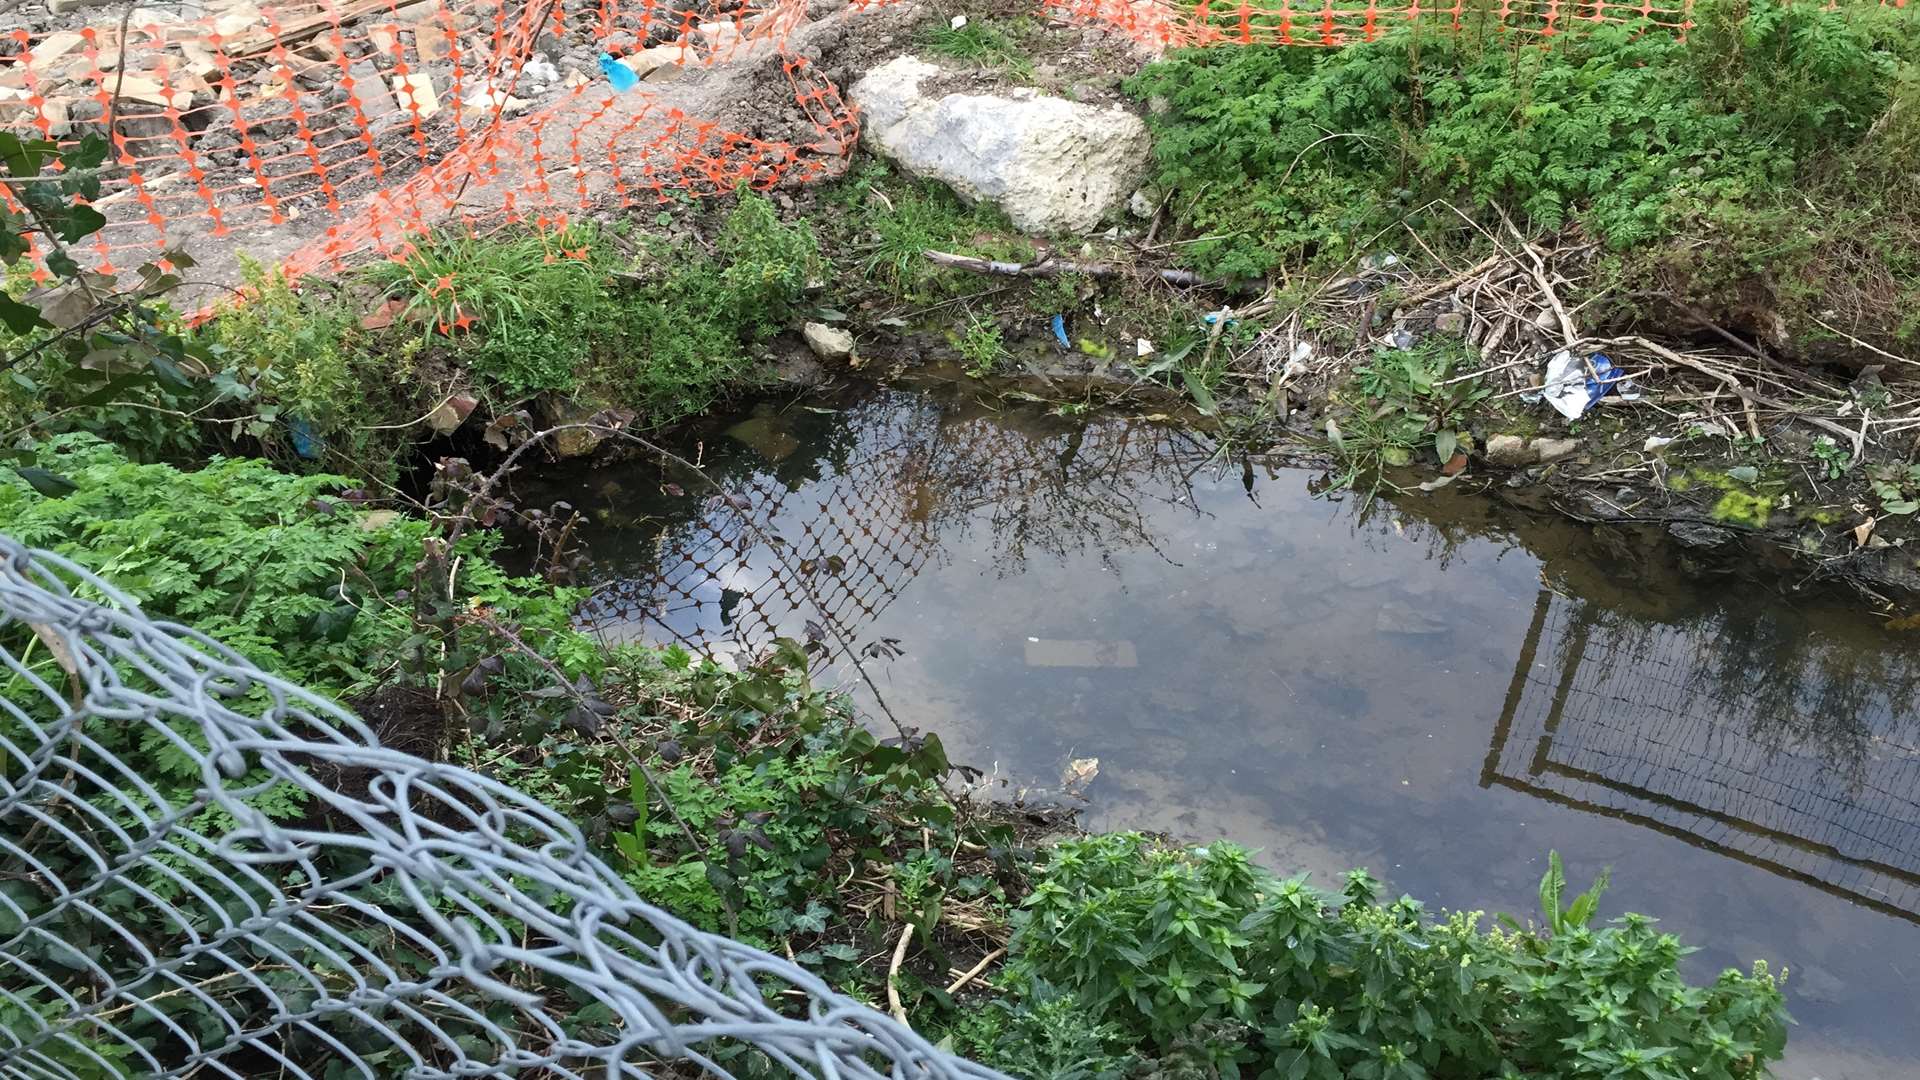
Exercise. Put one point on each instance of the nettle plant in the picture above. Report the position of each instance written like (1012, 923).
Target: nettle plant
(1301, 984)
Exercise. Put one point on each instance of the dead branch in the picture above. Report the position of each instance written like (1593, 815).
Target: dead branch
(1051, 267)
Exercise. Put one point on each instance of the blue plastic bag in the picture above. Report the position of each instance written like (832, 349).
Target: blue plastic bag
(617, 73)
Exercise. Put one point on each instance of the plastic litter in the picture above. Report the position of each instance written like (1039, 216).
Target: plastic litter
(1142, 347)
(301, 434)
(958, 22)
(1212, 317)
(617, 73)
(1060, 333)
(1573, 385)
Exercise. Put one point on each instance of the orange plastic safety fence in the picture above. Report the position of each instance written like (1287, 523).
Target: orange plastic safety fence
(320, 132)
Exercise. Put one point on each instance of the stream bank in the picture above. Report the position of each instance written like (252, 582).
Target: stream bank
(1437, 686)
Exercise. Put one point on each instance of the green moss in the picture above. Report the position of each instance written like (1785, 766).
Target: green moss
(1822, 515)
(1741, 508)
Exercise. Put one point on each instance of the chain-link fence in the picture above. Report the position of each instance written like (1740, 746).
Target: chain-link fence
(207, 870)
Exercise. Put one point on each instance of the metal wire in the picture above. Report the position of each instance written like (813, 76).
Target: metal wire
(322, 906)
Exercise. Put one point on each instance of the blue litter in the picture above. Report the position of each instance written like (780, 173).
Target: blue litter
(305, 442)
(1060, 332)
(1572, 386)
(617, 73)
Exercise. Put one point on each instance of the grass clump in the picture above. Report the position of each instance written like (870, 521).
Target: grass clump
(983, 44)
(888, 223)
(1404, 402)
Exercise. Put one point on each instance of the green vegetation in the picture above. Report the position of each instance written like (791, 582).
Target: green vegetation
(888, 223)
(1404, 402)
(1759, 153)
(656, 328)
(1291, 982)
(981, 347)
(983, 43)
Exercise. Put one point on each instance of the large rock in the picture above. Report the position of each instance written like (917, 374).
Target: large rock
(1054, 166)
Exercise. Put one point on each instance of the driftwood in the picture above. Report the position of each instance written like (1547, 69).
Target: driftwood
(1051, 267)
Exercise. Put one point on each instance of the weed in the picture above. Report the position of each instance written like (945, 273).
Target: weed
(981, 43)
(1290, 155)
(981, 347)
(1897, 488)
(889, 224)
(1172, 942)
(523, 308)
(1407, 400)
(1834, 461)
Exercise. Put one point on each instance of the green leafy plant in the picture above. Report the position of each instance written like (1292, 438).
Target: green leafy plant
(1834, 460)
(1898, 489)
(982, 347)
(1167, 941)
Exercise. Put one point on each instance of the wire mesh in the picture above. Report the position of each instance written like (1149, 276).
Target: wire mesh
(1782, 753)
(262, 888)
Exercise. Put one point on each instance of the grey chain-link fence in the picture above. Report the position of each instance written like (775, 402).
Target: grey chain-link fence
(205, 869)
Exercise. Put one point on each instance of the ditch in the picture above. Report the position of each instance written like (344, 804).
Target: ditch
(1440, 687)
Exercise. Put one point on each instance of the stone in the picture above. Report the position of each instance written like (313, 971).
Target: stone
(1143, 203)
(1555, 449)
(370, 91)
(828, 342)
(1450, 322)
(452, 412)
(658, 64)
(1508, 451)
(1054, 166)
(61, 7)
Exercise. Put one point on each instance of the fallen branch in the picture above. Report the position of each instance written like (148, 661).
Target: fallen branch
(1050, 267)
(973, 972)
(898, 1010)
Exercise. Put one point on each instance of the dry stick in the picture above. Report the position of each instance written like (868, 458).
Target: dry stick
(1864, 345)
(1546, 286)
(898, 1010)
(1750, 399)
(1470, 272)
(1055, 267)
(974, 971)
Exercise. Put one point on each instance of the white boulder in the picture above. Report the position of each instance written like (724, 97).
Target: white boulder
(1054, 166)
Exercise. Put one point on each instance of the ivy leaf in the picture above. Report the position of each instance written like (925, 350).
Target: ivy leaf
(46, 481)
(20, 318)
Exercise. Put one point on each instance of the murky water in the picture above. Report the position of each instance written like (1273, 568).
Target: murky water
(1435, 688)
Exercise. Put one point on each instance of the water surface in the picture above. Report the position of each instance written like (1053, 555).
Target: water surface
(1434, 687)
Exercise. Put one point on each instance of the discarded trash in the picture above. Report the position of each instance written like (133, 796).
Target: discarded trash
(1657, 443)
(1212, 317)
(1573, 385)
(958, 22)
(1142, 347)
(301, 434)
(1060, 333)
(617, 73)
(1078, 774)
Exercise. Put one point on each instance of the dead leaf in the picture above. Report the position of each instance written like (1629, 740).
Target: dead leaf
(1454, 464)
(1863, 532)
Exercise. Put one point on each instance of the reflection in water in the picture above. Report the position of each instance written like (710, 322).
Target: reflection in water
(1757, 738)
(863, 515)
(1323, 678)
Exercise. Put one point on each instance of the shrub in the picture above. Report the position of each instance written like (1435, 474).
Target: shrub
(1166, 941)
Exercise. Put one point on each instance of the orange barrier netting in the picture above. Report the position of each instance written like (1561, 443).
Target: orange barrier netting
(325, 132)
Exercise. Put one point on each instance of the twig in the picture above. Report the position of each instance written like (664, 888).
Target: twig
(974, 971)
(1055, 267)
(898, 1010)
(1454, 280)
(1749, 399)
(1546, 286)
(1864, 345)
